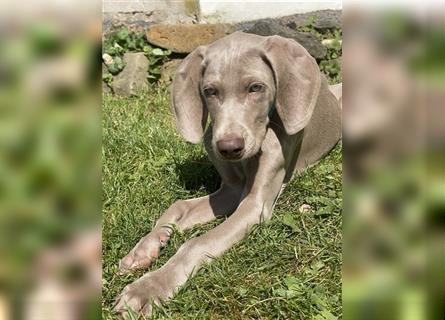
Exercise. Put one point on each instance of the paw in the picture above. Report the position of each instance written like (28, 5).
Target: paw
(141, 295)
(145, 252)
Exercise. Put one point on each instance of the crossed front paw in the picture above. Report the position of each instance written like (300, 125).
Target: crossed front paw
(145, 252)
(142, 294)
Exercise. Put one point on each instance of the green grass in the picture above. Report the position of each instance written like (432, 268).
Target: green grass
(287, 268)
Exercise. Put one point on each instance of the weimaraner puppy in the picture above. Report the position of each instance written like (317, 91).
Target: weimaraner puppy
(271, 115)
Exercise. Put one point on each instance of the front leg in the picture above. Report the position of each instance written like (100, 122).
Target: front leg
(183, 214)
(265, 175)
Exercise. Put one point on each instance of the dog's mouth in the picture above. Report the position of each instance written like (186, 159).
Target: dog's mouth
(233, 157)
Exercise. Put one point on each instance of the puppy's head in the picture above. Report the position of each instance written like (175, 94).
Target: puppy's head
(238, 81)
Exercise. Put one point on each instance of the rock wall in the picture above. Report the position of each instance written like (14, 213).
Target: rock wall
(180, 33)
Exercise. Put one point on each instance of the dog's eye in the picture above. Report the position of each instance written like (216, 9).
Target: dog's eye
(208, 92)
(256, 87)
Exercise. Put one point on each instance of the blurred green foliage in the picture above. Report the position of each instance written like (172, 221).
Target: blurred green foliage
(49, 145)
(393, 222)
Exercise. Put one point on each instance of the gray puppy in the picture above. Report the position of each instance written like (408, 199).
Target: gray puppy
(271, 115)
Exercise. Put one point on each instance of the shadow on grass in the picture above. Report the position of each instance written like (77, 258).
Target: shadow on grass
(198, 174)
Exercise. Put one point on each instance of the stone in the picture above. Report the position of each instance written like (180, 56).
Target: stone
(304, 208)
(133, 79)
(269, 27)
(327, 20)
(311, 44)
(291, 25)
(322, 20)
(186, 38)
(330, 42)
(107, 59)
(140, 21)
(168, 70)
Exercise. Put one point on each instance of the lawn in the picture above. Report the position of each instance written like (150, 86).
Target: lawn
(287, 268)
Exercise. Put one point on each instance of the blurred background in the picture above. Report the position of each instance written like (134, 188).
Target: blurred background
(394, 186)
(50, 243)
(393, 156)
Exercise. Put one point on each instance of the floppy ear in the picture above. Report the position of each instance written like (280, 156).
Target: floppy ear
(187, 104)
(297, 81)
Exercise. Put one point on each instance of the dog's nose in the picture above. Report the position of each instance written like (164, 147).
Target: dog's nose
(231, 148)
